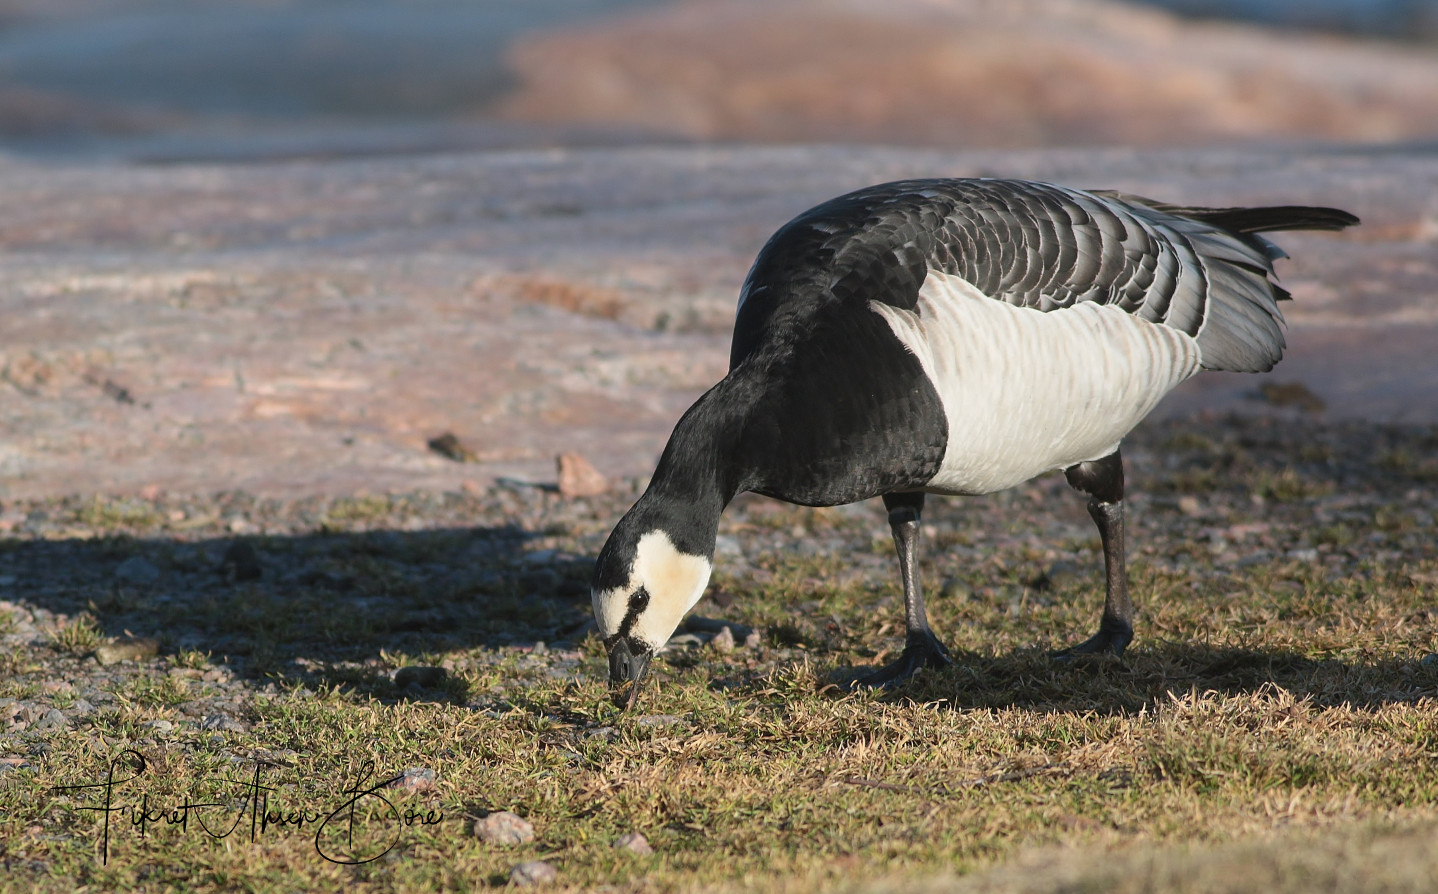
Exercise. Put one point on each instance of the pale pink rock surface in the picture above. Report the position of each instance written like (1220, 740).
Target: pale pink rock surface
(309, 327)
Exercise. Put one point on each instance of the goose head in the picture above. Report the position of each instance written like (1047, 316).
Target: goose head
(644, 582)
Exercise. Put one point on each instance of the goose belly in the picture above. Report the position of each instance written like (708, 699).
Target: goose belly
(1028, 391)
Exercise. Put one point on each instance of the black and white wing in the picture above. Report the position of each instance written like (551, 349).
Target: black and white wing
(1204, 272)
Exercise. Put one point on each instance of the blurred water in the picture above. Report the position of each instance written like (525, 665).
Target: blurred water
(1389, 18)
(350, 57)
(207, 77)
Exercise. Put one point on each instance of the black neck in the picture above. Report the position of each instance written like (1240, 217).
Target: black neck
(698, 473)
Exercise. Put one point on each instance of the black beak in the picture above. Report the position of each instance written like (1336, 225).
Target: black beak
(628, 665)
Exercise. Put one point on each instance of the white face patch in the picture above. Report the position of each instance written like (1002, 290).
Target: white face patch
(673, 580)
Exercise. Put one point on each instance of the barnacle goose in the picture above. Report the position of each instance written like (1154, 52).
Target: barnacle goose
(955, 336)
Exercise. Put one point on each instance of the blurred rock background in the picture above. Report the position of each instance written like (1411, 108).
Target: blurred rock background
(184, 79)
(286, 245)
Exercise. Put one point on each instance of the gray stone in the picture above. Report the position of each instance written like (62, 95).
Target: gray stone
(503, 827)
(221, 723)
(52, 719)
(158, 726)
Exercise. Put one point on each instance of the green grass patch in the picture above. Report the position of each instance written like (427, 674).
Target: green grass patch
(1247, 707)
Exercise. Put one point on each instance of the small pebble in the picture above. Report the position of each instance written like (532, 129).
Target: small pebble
(503, 827)
(753, 640)
(52, 719)
(415, 780)
(421, 676)
(723, 641)
(137, 571)
(532, 872)
(578, 477)
(1429, 661)
(635, 843)
(158, 726)
(222, 723)
(128, 648)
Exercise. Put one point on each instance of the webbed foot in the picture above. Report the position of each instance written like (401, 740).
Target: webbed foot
(1111, 639)
(917, 655)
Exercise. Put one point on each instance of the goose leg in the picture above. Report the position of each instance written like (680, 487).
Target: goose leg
(1102, 480)
(921, 648)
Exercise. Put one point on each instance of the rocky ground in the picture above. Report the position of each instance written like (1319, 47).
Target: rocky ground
(313, 327)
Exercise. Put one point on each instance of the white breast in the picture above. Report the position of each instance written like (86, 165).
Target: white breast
(1027, 391)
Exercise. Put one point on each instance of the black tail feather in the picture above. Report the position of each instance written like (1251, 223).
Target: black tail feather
(1248, 220)
(1270, 219)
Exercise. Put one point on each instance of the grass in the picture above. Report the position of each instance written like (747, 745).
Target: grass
(78, 635)
(1243, 712)
(1273, 729)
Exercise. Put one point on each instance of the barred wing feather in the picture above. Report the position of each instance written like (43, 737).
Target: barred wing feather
(1202, 271)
